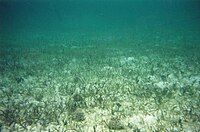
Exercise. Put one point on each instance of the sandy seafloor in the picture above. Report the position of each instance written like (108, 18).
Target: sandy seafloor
(130, 79)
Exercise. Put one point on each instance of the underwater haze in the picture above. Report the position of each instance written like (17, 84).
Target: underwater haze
(99, 65)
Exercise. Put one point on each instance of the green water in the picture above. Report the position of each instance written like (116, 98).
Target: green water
(97, 65)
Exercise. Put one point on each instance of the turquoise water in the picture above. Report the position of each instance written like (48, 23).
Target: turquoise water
(130, 19)
(99, 65)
